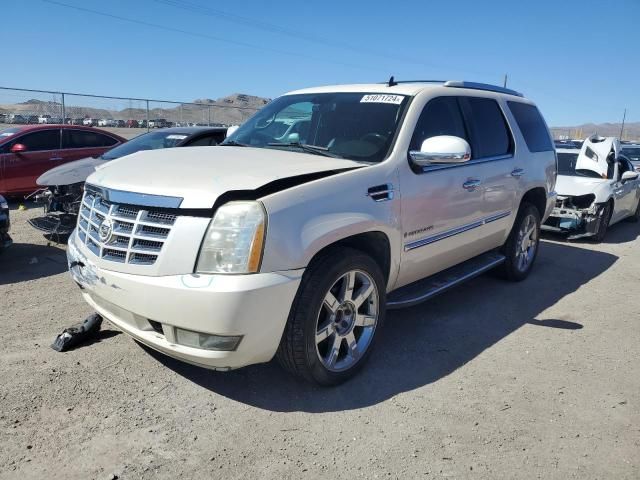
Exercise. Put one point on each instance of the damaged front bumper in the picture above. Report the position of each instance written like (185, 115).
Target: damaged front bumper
(162, 311)
(572, 221)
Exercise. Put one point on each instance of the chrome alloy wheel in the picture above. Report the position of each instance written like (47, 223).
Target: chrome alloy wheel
(527, 243)
(347, 320)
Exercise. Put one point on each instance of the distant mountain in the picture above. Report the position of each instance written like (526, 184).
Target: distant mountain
(631, 130)
(231, 110)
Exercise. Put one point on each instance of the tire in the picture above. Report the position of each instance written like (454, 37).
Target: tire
(635, 218)
(603, 224)
(325, 320)
(525, 233)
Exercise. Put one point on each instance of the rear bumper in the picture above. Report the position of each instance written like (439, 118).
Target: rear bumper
(255, 307)
(551, 202)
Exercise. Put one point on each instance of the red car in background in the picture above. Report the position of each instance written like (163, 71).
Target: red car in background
(28, 151)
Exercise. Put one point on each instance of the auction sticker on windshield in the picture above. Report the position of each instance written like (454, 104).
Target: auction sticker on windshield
(382, 98)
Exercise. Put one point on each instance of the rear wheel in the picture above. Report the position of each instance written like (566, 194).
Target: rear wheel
(521, 248)
(335, 317)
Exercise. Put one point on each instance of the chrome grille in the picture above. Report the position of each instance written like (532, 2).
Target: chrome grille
(137, 236)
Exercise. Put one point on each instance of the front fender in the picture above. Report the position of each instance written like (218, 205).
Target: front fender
(307, 218)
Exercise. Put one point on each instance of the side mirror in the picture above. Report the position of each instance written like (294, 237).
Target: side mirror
(630, 175)
(441, 149)
(18, 148)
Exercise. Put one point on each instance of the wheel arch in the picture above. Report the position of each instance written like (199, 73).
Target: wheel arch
(375, 243)
(536, 196)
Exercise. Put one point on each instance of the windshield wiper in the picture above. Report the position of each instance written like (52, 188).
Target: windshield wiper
(315, 149)
(233, 143)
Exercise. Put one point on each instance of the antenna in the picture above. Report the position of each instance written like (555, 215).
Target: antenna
(624, 116)
(505, 81)
(392, 82)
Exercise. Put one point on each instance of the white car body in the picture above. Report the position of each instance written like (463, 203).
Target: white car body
(581, 220)
(106, 122)
(423, 222)
(44, 119)
(87, 122)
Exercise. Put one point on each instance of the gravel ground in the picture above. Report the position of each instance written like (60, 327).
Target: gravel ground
(492, 380)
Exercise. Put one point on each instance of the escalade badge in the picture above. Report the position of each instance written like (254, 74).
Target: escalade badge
(106, 230)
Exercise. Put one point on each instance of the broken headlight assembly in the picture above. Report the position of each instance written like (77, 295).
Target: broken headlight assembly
(579, 201)
(234, 239)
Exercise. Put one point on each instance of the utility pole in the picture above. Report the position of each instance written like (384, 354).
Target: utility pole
(505, 81)
(624, 116)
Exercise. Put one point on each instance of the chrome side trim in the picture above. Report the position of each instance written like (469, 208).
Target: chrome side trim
(382, 195)
(432, 168)
(132, 198)
(454, 231)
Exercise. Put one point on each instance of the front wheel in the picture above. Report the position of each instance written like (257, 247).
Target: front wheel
(335, 318)
(521, 248)
(604, 217)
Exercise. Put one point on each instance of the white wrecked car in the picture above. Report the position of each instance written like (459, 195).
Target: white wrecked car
(597, 186)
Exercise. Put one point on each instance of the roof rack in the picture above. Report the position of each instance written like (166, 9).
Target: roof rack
(481, 86)
(460, 84)
(395, 82)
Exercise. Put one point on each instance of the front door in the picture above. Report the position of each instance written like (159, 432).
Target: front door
(20, 170)
(440, 204)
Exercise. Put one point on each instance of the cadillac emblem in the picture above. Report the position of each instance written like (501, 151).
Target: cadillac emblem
(106, 230)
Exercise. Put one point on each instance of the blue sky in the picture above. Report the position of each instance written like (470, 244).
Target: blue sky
(579, 60)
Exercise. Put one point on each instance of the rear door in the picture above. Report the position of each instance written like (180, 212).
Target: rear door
(20, 170)
(494, 163)
(77, 144)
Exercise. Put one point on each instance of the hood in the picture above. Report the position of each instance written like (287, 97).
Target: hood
(594, 154)
(69, 173)
(571, 186)
(199, 175)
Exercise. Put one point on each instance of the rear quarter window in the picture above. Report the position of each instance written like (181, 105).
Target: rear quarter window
(532, 126)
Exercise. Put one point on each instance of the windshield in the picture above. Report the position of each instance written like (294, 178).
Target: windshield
(567, 166)
(355, 126)
(632, 153)
(146, 141)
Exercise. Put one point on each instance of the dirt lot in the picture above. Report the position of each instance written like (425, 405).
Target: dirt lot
(493, 380)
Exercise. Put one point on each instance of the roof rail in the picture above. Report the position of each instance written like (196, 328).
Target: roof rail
(416, 81)
(481, 86)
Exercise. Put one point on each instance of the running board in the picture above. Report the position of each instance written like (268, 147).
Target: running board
(422, 290)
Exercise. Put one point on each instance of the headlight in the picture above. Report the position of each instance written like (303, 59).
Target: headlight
(234, 240)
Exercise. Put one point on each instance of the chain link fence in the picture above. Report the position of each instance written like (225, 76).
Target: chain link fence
(25, 106)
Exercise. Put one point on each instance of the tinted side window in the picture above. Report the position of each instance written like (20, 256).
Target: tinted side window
(441, 116)
(532, 126)
(487, 127)
(41, 140)
(84, 139)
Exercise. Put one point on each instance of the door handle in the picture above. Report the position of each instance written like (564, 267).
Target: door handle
(471, 185)
(518, 172)
(53, 159)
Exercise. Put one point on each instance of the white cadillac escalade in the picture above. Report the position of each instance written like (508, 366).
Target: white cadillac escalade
(326, 208)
